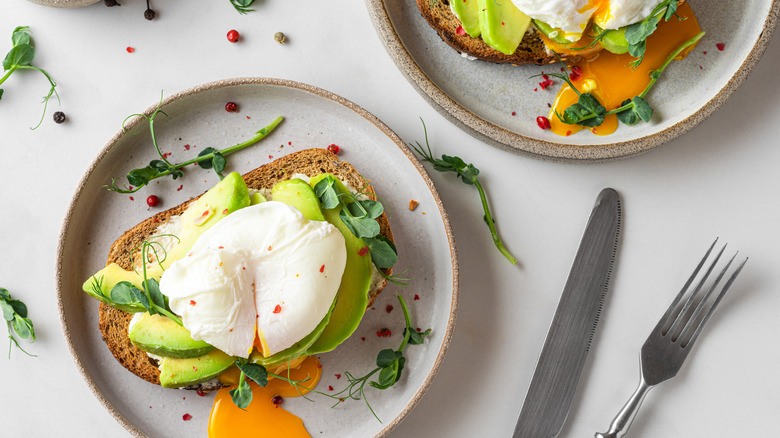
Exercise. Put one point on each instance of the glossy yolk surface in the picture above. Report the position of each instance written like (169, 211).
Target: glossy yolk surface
(611, 79)
(263, 418)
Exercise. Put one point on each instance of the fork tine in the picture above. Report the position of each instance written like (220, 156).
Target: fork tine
(684, 316)
(665, 321)
(717, 301)
(690, 322)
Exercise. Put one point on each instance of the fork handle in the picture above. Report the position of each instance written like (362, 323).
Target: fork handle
(625, 417)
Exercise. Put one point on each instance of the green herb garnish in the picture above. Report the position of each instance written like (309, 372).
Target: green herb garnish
(389, 365)
(359, 215)
(589, 112)
(242, 6)
(209, 158)
(468, 174)
(15, 314)
(149, 298)
(20, 57)
(637, 33)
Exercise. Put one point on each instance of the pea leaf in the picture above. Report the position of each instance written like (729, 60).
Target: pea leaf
(242, 395)
(142, 176)
(4, 294)
(19, 307)
(154, 292)
(20, 55)
(416, 337)
(255, 372)
(383, 253)
(360, 227)
(8, 311)
(640, 110)
(327, 193)
(208, 162)
(21, 35)
(23, 327)
(1, 93)
(387, 356)
(638, 32)
(373, 209)
(670, 10)
(122, 293)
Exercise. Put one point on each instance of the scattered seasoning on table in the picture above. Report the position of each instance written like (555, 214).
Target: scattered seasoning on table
(413, 204)
(384, 333)
(152, 201)
(416, 297)
(232, 36)
(280, 37)
(59, 117)
(130, 49)
(149, 13)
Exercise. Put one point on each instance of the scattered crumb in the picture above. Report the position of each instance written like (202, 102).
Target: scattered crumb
(413, 204)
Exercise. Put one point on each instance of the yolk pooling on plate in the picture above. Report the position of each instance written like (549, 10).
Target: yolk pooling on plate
(612, 80)
(262, 418)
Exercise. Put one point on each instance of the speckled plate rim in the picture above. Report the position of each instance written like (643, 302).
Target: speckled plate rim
(544, 150)
(447, 337)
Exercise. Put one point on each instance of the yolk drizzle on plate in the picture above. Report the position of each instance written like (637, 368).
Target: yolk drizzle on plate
(263, 418)
(611, 79)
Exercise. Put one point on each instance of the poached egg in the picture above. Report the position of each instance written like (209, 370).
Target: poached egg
(264, 277)
(573, 17)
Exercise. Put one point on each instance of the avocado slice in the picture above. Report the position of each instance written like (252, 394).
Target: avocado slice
(550, 32)
(160, 335)
(227, 196)
(613, 40)
(467, 12)
(176, 373)
(297, 193)
(502, 24)
(352, 297)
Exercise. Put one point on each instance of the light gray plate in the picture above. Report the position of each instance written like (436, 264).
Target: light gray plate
(313, 118)
(480, 98)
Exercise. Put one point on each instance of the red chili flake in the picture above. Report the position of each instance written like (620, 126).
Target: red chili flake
(720, 46)
(389, 308)
(186, 417)
(514, 113)
(270, 247)
(322, 268)
(416, 297)
(333, 148)
(270, 157)
(289, 143)
(503, 24)
(568, 133)
(156, 221)
(576, 73)
(545, 77)
(705, 52)
(330, 388)
(363, 251)
(536, 89)
(363, 338)
(194, 368)
(278, 309)
(231, 107)
(547, 83)
(166, 154)
(131, 198)
(701, 68)
(248, 118)
(319, 365)
(460, 30)
(152, 201)
(543, 122)
(130, 49)
(232, 36)
(201, 393)
(186, 147)
(192, 302)
(225, 211)
(338, 376)
(221, 247)
(184, 398)
(384, 333)
(180, 187)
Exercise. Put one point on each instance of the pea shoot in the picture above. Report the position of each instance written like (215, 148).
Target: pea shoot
(242, 6)
(468, 174)
(209, 158)
(15, 315)
(20, 57)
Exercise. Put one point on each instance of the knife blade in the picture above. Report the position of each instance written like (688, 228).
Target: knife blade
(565, 350)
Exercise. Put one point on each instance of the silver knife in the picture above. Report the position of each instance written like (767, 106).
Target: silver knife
(563, 356)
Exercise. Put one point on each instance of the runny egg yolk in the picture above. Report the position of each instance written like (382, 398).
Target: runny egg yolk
(611, 79)
(262, 418)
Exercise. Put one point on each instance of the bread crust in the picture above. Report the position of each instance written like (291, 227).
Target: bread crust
(113, 323)
(530, 51)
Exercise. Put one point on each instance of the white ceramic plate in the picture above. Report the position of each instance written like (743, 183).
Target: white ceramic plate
(313, 118)
(481, 98)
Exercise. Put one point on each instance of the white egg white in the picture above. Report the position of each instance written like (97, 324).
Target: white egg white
(263, 269)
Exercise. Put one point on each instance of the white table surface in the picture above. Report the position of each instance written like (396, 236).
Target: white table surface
(721, 179)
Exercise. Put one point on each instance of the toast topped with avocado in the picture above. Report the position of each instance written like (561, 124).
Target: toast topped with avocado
(147, 342)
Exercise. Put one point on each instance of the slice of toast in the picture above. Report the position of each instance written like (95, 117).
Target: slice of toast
(113, 323)
(530, 51)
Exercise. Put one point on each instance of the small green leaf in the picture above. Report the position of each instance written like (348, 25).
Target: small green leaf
(628, 116)
(255, 372)
(637, 50)
(361, 228)
(219, 163)
(154, 292)
(327, 193)
(592, 106)
(383, 254)
(1, 93)
(638, 32)
(416, 337)
(642, 108)
(21, 35)
(20, 55)
(141, 177)
(4, 294)
(8, 311)
(207, 163)
(387, 356)
(122, 293)
(23, 327)
(19, 307)
(374, 209)
(242, 395)
(670, 10)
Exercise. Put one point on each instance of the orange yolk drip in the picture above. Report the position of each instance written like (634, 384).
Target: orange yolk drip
(263, 418)
(611, 79)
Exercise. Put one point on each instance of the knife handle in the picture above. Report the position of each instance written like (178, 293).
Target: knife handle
(624, 418)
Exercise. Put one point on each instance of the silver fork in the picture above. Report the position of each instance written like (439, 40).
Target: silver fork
(672, 338)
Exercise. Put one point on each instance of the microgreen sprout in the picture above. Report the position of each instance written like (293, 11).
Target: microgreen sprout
(15, 315)
(242, 6)
(209, 158)
(20, 57)
(468, 174)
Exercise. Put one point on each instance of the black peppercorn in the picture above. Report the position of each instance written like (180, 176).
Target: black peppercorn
(59, 117)
(110, 3)
(149, 12)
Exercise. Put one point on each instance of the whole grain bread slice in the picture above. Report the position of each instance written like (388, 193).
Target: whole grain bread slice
(531, 50)
(113, 323)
